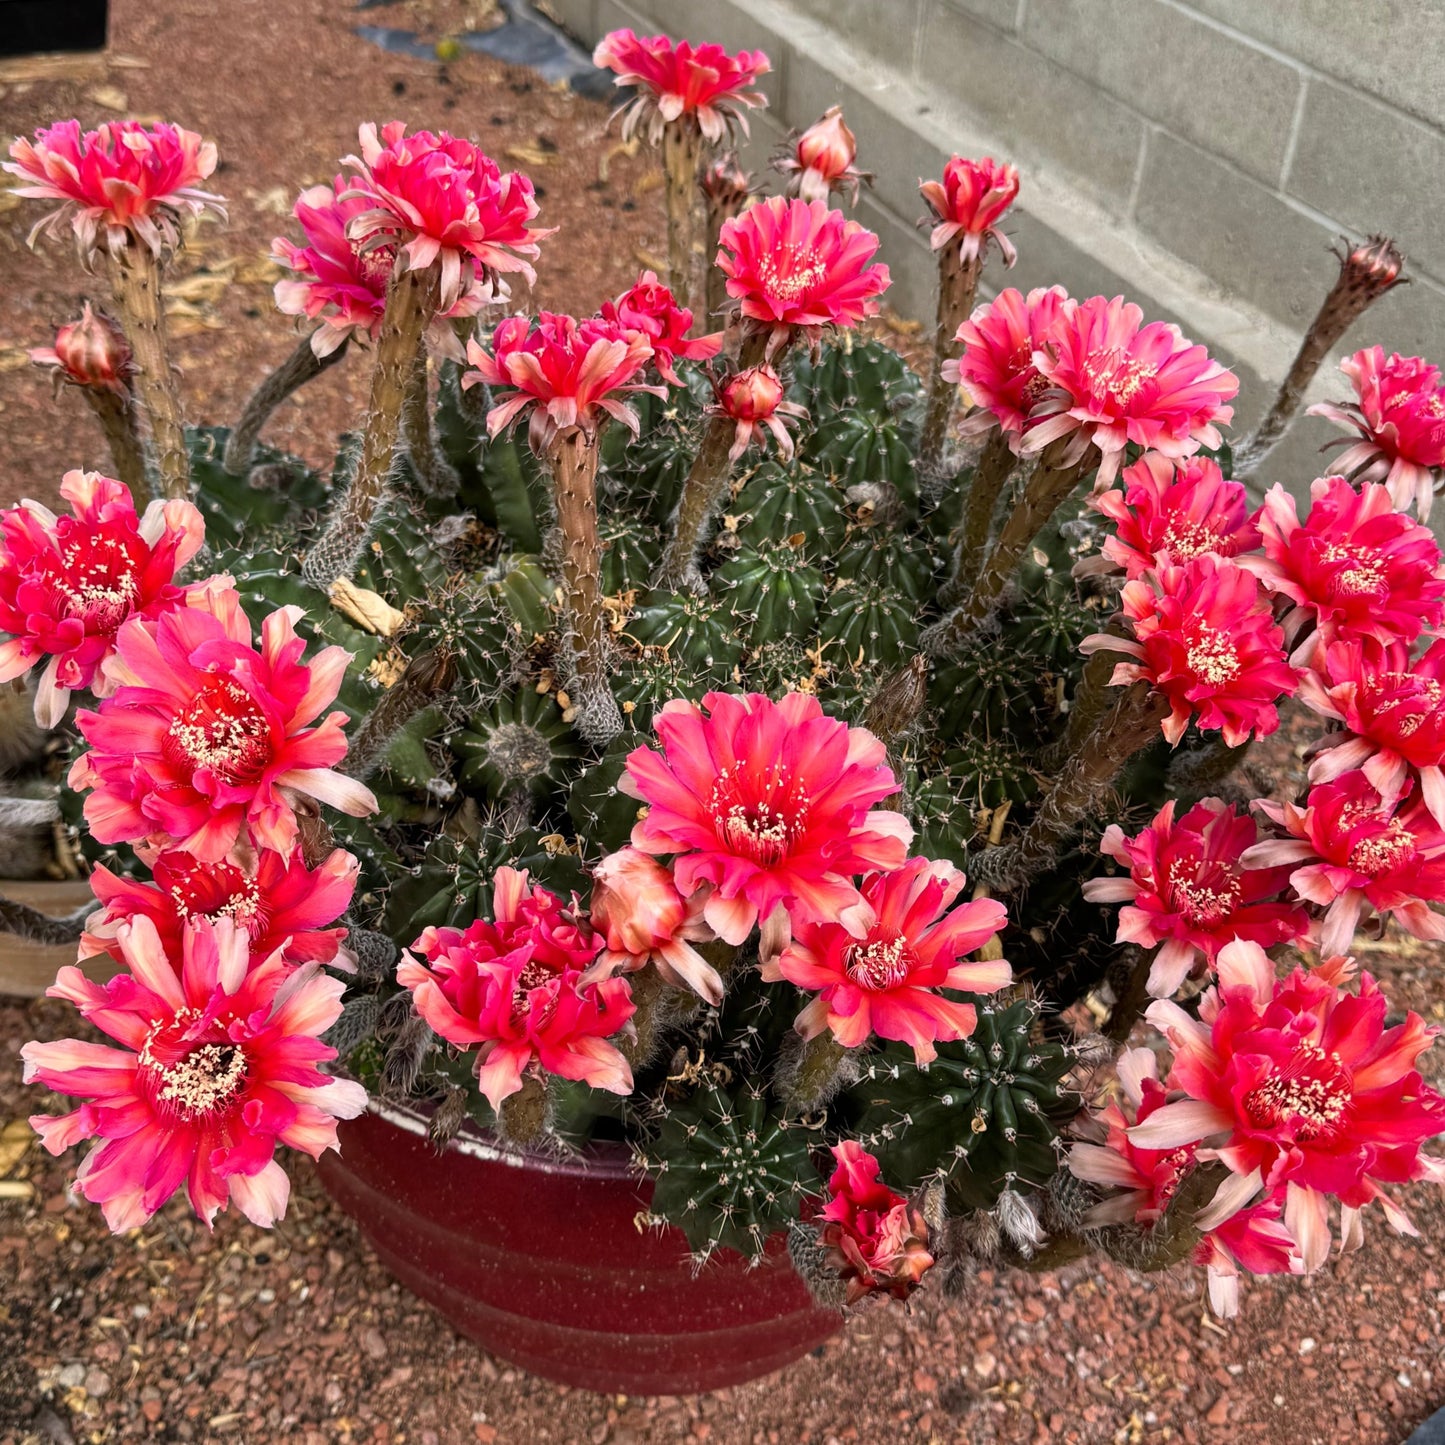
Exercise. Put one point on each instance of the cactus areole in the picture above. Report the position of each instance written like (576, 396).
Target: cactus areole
(730, 804)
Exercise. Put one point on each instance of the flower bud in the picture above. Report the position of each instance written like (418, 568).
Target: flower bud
(1373, 267)
(90, 352)
(828, 146)
(752, 395)
(726, 185)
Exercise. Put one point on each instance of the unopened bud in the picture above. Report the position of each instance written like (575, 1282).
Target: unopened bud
(90, 352)
(899, 701)
(1373, 267)
(726, 185)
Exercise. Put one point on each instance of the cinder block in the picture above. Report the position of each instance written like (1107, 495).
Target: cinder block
(1035, 105)
(1410, 319)
(1226, 95)
(1374, 169)
(578, 17)
(1004, 14)
(1234, 230)
(882, 30)
(912, 293)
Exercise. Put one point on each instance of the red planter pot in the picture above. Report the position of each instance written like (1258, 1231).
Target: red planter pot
(543, 1261)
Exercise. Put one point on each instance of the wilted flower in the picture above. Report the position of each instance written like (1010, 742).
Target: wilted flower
(820, 160)
(969, 203)
(649, 307)
(90, 352)
(754, 399)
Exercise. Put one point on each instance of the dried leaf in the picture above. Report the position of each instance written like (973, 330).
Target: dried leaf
(15, 1141)
(16, 1189)
(628, 148)
(528, 155)
(108, 96)
(278, 200)
(12, 358)
(647, 259)
(366, 608)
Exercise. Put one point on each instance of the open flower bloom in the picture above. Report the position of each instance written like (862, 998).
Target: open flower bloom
(1348, 850)
(1190, 891)
(754, 400)
(1167, 513)
(885, 981)
(512, 989)
(121, 183)
(644, 919)
(342, 283)
(649, 307)
(1113, 380)
(701, 85)
(1252, 1239)
(969, 203)
(439, 199)
(67, 584)
(571, 374)
(875, 1239)
(218, 1065)
(1296, 1083)
(1205, 637)
(278, 902)
(820, 160)
(90, 352)
(798, 265)
(997, 369)
(1393, 709)
(1399, 416)
(1355, 567)
(204, 735)
(769, 802)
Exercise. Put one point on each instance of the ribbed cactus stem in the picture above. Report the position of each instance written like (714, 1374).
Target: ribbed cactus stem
(715, 280)
(1133, 998)
(116, 415)
(411, 304)
(1201, 770)
(435, 475)
(649, 995)
(681, 161)
(1042, 495)
(1171, 1239)
(525, 1118)
(823, 1067)
(136, 283)
(574, 472)
(995, 467)
(957, 285)
(301, 366)
(706, 480)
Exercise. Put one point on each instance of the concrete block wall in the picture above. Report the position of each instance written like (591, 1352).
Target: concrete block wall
(1200, 156)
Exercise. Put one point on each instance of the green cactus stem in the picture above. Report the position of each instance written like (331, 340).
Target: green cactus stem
(136, 283)
(116, 415)
(411, 304)
(1091, 700)
(957, 285)
(525, 1118)
(994, 468)
(682, 148)
(301, 366)
(435, 475)
(819, 1070)
(425, 679)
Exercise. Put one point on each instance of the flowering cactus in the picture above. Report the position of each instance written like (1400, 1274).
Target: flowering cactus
(783, 812)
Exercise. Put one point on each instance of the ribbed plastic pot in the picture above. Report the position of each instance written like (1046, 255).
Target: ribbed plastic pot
(545, 1262)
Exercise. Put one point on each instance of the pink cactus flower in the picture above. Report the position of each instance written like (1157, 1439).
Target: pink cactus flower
(997, 368)
(1355, 568)
(1167, 513)
(796, 265)
(278, 902)
(886, 980)
(969, 203)
(643, 919)
(204, 736)
(90, 352)
(121, 184)
(820, 161)
(1393, 709)
(1190, 891)
(754, 400)
(1252, 1239)
(1205, 637)
(440, 200)
(874, 1238)
(1349, 851)
(218, 1064)
(1113, 380)
(512, 988)
(649, 307)
(68, 584)
(1296, 1083)
(571, 375)
(1399, 417)
(343, 284)
(701, 85)
(768, 802)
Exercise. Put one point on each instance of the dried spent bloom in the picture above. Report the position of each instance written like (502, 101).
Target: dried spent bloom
(770, 803)
(649, 307)
(1113, 380)
(701, 85)
(969, 203)
(726, 186)
(90, 352)
(798, 265)
(1205, 637)
(120, 184)
(342, 282)
(204, 736)
(820, 160)
(874, 1238)
(1190, 891)
(754, 400)
(67, 584)
(1349, 852)
(511, 988)
(1399, 416)
(886, 980)
(1167, 513)
(218, 1064)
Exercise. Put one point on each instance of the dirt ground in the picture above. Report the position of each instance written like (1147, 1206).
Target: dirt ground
(298, 1336)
